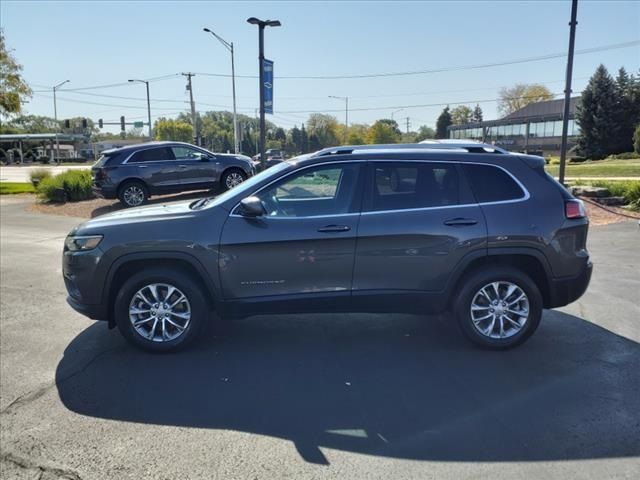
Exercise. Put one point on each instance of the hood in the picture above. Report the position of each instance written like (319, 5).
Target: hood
(138, 215)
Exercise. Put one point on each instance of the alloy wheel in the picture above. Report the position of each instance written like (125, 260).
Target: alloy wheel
(500, 310)
(133, 196)
(159, 312)
(233, 180)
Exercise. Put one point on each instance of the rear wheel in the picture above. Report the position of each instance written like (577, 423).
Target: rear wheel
(499, 307)
(160, 309)
(232, 178)
(133, 194)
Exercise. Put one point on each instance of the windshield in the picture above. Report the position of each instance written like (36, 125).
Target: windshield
(246, 186)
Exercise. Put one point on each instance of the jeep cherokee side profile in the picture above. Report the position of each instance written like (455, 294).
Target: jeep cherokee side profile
(465, 228)
(134, 173)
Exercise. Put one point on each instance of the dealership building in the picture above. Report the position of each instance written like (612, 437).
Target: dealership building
(535, 129)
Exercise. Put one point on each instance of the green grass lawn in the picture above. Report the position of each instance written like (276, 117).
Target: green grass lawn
(599, 168)
(9, 188)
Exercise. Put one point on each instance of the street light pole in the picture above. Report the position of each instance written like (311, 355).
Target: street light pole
(261, 25)
(567, 89)
(229, 46)
(396, 111)
(55, 117)
(346, 115)
(148, 106)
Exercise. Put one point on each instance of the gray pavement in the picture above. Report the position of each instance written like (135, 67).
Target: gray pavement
(21, 174)
(317, 396)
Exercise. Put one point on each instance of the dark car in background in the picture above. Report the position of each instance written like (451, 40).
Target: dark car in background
(134, 173)
(469, 229)
(272, 156)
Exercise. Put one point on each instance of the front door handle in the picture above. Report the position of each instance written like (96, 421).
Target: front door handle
(460, 222)
(334, 228)
(182, 166)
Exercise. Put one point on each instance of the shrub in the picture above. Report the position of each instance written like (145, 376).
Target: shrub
(38, 174)
(629, 189)
(76, 185)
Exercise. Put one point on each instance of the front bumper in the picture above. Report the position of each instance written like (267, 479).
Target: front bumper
(94, 312)
(563, 291)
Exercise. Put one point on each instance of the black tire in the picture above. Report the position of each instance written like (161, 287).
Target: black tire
(138, 193)
(230, 176)
(197, 303)
(472, 285)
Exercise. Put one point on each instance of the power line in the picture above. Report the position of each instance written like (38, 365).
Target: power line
(444, 69)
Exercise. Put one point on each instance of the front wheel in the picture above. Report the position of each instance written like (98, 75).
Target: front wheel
(233, 178)
(499, 307)
(160, 309)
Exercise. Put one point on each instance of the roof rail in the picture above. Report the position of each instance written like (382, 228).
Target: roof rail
(468, 147)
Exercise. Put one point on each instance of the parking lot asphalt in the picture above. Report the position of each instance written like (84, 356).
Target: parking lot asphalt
(315, 396)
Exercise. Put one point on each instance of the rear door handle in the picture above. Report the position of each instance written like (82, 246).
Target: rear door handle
(182, 166)
(459, 222)
(334, 228)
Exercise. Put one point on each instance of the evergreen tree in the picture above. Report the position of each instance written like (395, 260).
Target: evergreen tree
(597, 116)
(304, 140)
(444, 120)
(625, 113)
(477, 114)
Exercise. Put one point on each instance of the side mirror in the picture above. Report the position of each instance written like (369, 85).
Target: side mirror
(251, 207)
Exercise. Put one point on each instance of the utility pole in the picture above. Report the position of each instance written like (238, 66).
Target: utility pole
(407, 120)
(567, 88)
(55, 117)
(193, 107)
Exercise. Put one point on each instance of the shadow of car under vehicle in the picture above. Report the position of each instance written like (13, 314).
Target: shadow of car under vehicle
(395, 386)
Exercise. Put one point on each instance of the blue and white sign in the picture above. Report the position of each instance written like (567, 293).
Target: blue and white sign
(267, 85)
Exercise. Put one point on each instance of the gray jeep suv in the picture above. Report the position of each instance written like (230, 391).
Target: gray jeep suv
(470, 229)
(136, 172)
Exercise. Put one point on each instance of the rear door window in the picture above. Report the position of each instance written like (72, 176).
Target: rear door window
(152, 155)
(406, 185)
(492, 184)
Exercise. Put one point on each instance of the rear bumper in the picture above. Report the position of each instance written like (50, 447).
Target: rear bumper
(104, 192)
(563, 291)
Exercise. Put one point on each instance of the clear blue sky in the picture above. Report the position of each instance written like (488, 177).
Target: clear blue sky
(98, 43)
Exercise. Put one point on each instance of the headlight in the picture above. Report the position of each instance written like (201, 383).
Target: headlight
(86, 242)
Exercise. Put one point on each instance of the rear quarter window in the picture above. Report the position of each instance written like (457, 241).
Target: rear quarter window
(492, 184)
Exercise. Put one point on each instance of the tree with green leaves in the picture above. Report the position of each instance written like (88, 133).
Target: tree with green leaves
(636, 139)
(13, 88)
(597, 115)
(384, 131)
(461, 115)
(477, 114)
(324, 128)
(628, 110)
(444, 121)
(174, 130)
(520, 95)
(425, 133)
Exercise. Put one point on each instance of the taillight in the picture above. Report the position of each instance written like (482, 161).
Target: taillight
(101, 174)
(574, 209)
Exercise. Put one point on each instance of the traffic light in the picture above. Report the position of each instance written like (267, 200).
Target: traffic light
(122, 123)
(67, 124)
(84, 123)
(99, 123)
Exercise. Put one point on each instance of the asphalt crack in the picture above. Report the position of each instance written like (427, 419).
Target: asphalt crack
(46, 471)
(33, 395)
